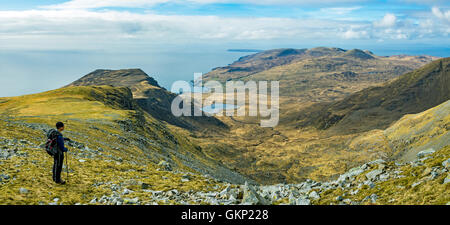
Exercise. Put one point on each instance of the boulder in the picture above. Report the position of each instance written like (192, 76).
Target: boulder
(350, 174)
(23, 191)
(302, 201)
(373, 198)
(224, 192)
(373, 174)
(447, 180)
(132, 201)
(251, 197)
(426, 171)
(126, 191)
(384, 177)
(425, 152)
(314, 195)
(416, 183)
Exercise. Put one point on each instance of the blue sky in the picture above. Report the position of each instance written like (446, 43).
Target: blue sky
(48, 43)
(368, 9)
(293, 9)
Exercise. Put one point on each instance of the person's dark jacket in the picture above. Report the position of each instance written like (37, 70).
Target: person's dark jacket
(60, 142)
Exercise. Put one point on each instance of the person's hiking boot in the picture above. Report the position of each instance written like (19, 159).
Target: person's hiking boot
(61, 182)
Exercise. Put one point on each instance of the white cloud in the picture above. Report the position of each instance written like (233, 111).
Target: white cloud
(352, 34)
(388, 20)
(441, 15)
(427, 25)
(83, 28)
(84, 22)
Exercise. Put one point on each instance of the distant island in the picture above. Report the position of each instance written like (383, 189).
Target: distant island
(244, 50)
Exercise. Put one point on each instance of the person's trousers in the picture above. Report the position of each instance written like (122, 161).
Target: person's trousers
(57, 166)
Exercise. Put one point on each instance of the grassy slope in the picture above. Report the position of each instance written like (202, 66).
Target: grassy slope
(34, 173)
(378, 107)
(69, 103)
(413, 187)
(404, 139)
(125, 144)
(417, 132)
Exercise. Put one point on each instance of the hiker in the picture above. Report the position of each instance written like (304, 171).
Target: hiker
(58, 153)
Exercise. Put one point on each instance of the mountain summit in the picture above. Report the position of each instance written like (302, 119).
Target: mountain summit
(135, 79)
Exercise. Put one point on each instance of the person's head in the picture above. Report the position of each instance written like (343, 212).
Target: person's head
(60, 126)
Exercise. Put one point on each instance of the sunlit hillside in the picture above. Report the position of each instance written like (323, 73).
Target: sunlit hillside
(113, 140)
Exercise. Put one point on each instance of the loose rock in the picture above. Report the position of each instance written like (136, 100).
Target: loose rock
(373, 174)
(23, 191)
(251, 197)
(425, 152)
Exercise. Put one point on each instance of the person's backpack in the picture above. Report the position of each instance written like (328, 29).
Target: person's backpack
(51, 146)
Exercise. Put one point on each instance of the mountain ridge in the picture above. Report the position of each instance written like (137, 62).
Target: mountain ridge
(149, 96)
(308, 74)
(410, 93)
(132, 78)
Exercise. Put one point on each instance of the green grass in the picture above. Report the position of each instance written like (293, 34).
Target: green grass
(92, 116)
(400, 191)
